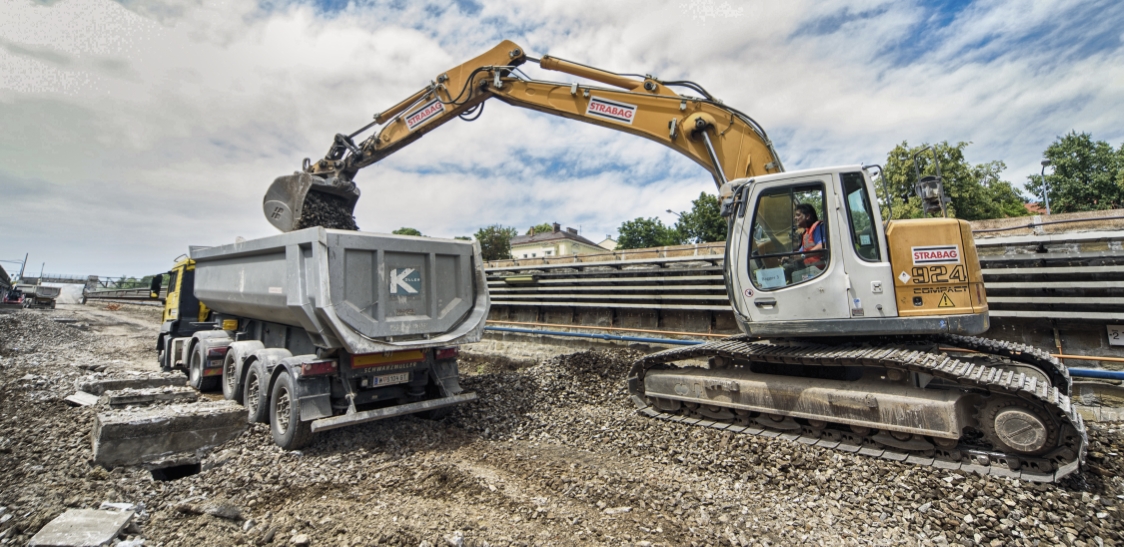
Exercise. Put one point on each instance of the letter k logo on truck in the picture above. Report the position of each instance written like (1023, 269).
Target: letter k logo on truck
(405, 281)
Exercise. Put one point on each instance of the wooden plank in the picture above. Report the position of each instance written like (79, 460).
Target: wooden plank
(1060, 270)
(700, 307)
(497, 281)
(1080, 315)
(610, 288)
(1084, 300)
(1054, 285)
(721, 298)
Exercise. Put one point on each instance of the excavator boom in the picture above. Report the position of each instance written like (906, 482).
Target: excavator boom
(726, 142)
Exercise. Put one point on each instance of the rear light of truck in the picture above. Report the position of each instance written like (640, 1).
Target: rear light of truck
(447, 353)
(318, 368)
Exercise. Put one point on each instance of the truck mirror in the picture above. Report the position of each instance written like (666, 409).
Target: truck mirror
(157, 281)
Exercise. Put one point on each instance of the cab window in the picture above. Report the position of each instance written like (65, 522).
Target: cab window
(863, 235)
(789, 243)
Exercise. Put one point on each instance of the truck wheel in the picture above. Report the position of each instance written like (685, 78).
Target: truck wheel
(195, 371)
(289, 432)
(254, 395)
(231, 383)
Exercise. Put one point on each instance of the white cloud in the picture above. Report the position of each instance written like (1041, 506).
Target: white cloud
(133, 129)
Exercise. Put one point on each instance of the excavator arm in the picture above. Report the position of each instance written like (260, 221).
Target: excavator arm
(726, 142)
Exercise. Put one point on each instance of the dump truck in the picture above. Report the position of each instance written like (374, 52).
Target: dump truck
(317, 329)
(38, 296)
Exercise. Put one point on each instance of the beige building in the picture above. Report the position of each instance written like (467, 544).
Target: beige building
(558, 242)
(608, 243)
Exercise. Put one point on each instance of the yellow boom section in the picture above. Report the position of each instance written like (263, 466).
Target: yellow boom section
(724, 141)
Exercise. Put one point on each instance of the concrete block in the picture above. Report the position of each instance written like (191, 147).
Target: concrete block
(81, 398)
(143, 436)
(99, 385)
(120, 398)
(82, 528)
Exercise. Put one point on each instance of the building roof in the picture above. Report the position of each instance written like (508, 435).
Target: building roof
(550, 236)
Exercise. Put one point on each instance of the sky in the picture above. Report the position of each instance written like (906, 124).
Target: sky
(132, 129)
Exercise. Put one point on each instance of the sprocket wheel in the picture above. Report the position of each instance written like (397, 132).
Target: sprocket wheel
(1015, 426)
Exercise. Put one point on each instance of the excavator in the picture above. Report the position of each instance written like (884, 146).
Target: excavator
(859, 333)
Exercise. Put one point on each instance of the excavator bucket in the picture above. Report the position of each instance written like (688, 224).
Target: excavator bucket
(302, 200)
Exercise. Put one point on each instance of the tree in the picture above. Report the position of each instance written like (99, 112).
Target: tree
(495, 241)
(543, 228)
(1087, 175)
(975, 191)
(704, 222)
(407, 232)
(646, 232)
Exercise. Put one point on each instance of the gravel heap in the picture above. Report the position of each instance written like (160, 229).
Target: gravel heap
(551, 454)
(327, 210)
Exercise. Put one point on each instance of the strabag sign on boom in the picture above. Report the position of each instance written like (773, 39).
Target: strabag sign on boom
(424, 114)
(936, 254)
(611, 110)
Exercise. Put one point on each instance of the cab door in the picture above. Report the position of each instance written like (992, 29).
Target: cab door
(778, 280)
(870, 278)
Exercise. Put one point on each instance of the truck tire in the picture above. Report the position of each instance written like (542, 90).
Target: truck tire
(289, 432)
(254, 396)
(234, 370)
(195, 371)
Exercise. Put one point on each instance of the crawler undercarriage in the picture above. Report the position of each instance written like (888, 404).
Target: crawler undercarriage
(952, 402)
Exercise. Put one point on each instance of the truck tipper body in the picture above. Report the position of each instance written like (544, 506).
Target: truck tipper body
(317, 329)
(38, 296)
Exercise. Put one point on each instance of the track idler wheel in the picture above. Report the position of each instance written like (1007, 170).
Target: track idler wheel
(1014, 426)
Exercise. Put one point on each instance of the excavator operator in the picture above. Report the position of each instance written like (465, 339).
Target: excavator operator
(809, 232)
(805, 217)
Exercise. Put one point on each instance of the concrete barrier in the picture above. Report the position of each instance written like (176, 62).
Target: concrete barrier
(164, 433)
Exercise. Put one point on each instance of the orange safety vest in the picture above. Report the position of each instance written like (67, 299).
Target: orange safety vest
(808, 242)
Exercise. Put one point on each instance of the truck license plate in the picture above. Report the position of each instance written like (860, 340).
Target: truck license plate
(390, 379)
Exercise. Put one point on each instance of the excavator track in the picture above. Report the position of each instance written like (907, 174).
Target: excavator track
(1000, 406)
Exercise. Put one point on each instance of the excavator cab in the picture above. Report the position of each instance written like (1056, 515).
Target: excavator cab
(809, 256)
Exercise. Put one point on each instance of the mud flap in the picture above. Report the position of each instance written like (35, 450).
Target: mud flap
(446, 376)
(315, 397)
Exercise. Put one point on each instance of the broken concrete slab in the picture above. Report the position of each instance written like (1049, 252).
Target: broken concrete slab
(99, 385)
(120, 398)
(81, 398)
(146, 435)
(82, 528)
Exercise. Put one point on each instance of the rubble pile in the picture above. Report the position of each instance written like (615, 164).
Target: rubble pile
(552, 453)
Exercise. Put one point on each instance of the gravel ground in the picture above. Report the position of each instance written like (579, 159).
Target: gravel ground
(551, 454)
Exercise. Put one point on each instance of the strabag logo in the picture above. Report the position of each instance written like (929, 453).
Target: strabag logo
(611, 110)
(936, 254)
(424, 114)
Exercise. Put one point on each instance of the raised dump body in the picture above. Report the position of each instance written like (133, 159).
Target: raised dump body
(316, 329)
